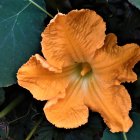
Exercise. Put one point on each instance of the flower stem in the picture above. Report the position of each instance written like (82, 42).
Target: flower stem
(11, 106)
(124, 136)
(39, 7)
(34, 129)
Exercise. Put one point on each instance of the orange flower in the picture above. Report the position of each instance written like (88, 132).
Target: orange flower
(83, 68)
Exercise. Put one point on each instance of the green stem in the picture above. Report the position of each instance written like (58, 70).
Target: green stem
(124, 136)
(11, 106)
(34, 129)
(39, 7)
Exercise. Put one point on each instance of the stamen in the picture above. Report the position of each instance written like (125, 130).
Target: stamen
(85, 69)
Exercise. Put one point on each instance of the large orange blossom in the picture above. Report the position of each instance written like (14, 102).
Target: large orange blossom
(82, 68)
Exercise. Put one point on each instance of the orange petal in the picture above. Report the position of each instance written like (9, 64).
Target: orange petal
(112, 103)
(42, 80)
(114, 64)
(73, 37)
(69, 112)
(111, 66)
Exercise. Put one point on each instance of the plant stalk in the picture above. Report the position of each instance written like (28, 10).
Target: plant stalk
(34, 129)
(11, 106)
(39, 7)
(124, 136)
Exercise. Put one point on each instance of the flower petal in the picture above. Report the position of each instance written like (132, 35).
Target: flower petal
(42, 80)
(73, 37)
(112, 103)
(69, 112)
(113, 65)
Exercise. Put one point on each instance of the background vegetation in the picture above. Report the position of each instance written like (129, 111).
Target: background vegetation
(21, 24)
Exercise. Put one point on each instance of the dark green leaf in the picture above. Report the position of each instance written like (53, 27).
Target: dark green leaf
(133, 134)
(4, 129)
(87, 131)
(21, 126)
(2, 134)
(45, 132)
(20, 26)
(136, 90)
(136, 3)
(2, 95)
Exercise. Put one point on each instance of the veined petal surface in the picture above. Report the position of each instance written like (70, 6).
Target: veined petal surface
(42, 80)
(69, 112)
(112, 103)
(111, 66)
(73, 37)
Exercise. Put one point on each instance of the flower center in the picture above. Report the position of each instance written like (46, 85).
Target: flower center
(86, 68)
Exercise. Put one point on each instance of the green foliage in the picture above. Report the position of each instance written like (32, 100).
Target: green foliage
(136, 90)
(45, 132)
(86, 132)
(21, 24)
(136, 3)
(21, 125)
(2, 95)
(133, 133)
(4, 129)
